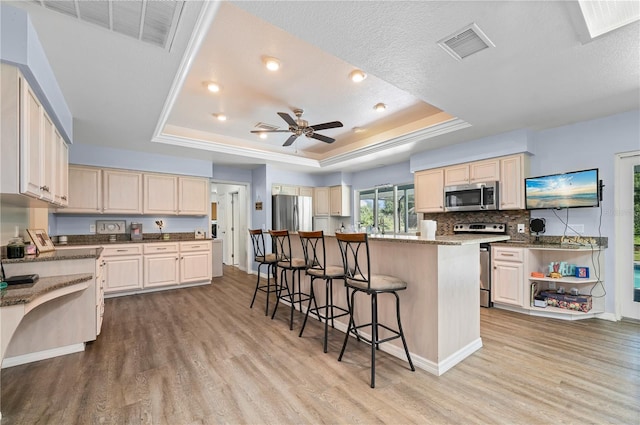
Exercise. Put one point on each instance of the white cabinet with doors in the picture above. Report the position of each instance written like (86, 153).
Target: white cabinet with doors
(195, 261)
(123, 267)
(321, 201)
(513, 170)
(507, 277)
(161, 264)
(473, 172)
(122, 192)
(160, 194)
(340, 200)
(429, 190)
(193, 196)
(305, 191)
(62, 172)
(85, 190)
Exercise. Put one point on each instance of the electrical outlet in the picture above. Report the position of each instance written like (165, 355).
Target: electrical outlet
(521, 228)
(92, 228)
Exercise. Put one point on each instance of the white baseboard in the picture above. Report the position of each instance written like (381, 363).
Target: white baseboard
(155, 289)
(42, 355)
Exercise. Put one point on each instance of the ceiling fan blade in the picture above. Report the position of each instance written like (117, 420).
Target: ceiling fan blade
(270, 131)
(322, 138)
(326, 125)
(290, 140)
(288, 119)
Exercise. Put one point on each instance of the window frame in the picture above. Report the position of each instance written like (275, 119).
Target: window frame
(396, 188)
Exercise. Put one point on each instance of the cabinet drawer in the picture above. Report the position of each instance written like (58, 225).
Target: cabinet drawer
(195, 246)
(121, 250)
(508, 254)
(160, 248)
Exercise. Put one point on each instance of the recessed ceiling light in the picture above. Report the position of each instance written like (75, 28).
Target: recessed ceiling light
(220, 117)
(359, 130)
(213, 87)
(272, 64)
(379, 107)
(262, 135)
(357, 76)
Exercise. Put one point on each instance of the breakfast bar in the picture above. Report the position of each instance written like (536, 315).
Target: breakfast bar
(441, 306)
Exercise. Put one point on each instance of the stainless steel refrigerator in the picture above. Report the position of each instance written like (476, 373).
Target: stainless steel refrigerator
(293, 213)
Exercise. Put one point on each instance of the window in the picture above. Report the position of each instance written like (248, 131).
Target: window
(390, 209)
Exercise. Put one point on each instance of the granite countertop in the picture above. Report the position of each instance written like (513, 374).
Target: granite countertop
(85, 243)
(23, 294)
(548, 245)
(67, 254)
(464, 239)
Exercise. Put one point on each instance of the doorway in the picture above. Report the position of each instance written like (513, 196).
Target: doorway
(233, 221)
(627, 200)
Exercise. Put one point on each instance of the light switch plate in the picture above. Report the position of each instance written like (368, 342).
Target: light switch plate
(111, 227)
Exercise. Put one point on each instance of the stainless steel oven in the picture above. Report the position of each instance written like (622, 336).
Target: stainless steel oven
(485, 254)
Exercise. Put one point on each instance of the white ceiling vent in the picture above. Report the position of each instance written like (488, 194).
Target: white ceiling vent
(150, 21)
(265, 126)
(465, 42)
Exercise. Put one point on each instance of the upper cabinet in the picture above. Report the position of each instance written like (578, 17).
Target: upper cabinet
(474, 172)
(513, 170)
(429, 190)
(111, 191)
(31, 163)
(340, 200)
(321, 201)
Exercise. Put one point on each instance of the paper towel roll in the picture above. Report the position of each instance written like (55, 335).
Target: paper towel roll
(428, 229)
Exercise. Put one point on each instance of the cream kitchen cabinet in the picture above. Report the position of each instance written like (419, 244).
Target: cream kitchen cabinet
(29, 161)
(340, 200)
(61, 194)
(123, 267)
(160, 194)
(513, 170)
(429, 190)
(85, 190)
(305, 191)
(195, 261)
(122, 192)
(321, 205)
(161, 264)
(193, 196)
(473, 172)
(507, 278)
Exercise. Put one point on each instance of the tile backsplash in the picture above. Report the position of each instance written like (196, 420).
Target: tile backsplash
(511, 218)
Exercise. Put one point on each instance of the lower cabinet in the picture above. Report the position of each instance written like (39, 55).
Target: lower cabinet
(195, 261)
(123, 269)
(161, 264)
(507, 279)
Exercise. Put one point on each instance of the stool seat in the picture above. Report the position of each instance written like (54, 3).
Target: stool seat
(330, 271)
(378, 282)
(269, 258)
(296, 263)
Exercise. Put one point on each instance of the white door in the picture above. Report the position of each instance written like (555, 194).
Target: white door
(235, 226)
(627, 200)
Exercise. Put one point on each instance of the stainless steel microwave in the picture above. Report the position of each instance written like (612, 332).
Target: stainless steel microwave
(471, 197)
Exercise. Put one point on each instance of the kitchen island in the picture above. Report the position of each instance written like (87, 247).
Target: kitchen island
(58, 313)
(440, 308)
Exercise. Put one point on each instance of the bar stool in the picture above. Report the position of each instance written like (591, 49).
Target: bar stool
(286, 262)
(358, 278)
(262, 258)
(315, 258)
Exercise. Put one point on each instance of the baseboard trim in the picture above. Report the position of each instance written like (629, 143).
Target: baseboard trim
(155, 289)
(42, 355)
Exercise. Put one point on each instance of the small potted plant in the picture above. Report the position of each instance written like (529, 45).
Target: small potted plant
(160, 224)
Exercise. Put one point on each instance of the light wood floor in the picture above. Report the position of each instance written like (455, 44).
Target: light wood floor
(200, 355)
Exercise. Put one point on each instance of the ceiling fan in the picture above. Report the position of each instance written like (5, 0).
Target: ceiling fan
(300, 127)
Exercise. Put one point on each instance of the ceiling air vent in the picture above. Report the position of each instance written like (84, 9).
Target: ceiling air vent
(465, 42)
(265, 126)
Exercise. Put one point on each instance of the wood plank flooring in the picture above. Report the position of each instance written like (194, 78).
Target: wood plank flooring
(201, 356)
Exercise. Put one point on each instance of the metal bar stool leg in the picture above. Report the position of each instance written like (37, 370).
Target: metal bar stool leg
(374, 337)
(312, 297)
(257, 285)
(404, 342)
(350, 327)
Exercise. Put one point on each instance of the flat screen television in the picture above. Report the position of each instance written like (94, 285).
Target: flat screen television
(574, 189)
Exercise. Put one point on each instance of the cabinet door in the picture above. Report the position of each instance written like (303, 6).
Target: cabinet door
(429, 190)
(340, 202)
(122, 192)
(48, 158)
(507, 283)
(62, 172)
(85, 190)
(484, 171)
(195, 266)
(321, 200)
(194, 196)
(122, 273)
(30, 135)
(161, 270)
(305, 191)
(512, 183)
(456, 174)
(160, 194)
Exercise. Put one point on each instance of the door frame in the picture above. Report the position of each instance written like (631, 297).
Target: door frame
(623, 220)
(244, 201)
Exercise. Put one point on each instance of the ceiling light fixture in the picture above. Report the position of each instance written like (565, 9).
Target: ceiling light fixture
(213, 87)
(263, 135)
(272, 64)
(359, 129)
(220, 117)
(357, 76)
(379, 107)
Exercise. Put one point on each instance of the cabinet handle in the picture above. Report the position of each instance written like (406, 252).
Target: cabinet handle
(161, 249)
(196, 246)
(506, 255)
(121, 250)
(45, 188)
